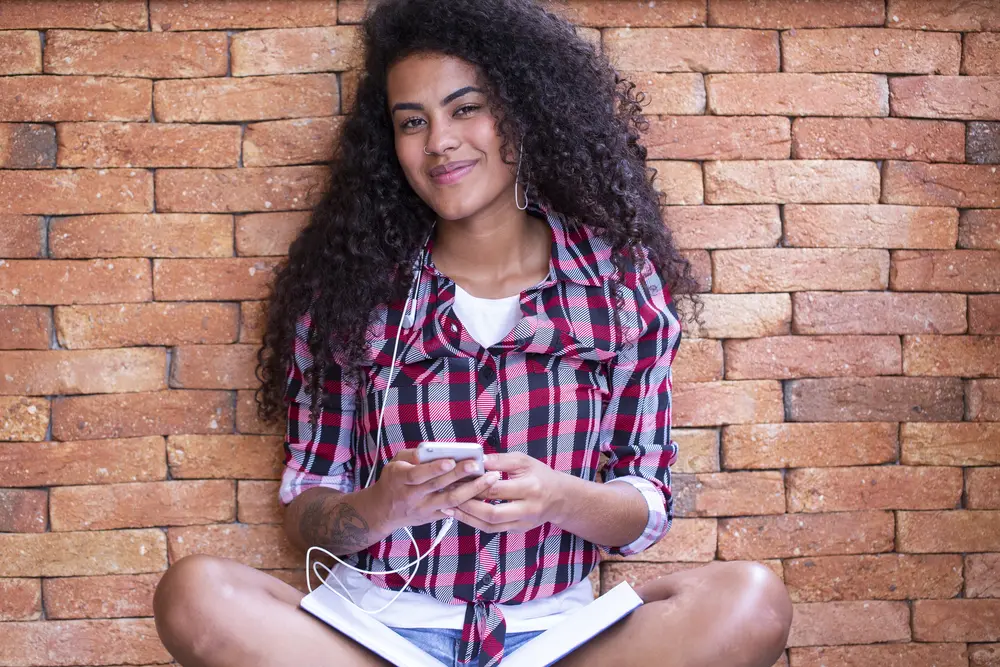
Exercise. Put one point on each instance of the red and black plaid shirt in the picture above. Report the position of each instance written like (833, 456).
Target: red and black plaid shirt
(564, 386)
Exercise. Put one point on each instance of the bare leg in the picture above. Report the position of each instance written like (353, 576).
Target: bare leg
(721, 615)
(215, 612)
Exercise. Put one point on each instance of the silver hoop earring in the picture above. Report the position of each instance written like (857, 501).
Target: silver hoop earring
(516, 178)
(425, 151)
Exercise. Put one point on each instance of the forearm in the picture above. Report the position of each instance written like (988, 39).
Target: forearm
(341, 523)
(607, 514)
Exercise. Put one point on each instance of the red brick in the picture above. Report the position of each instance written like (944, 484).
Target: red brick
(701, 361)
(247, 420)
(20, 52)
(69, 281)
(717, 403)
(139, 414)
(769, 446)
(26, 418)
(295, 50)
(74, 191)
(680, 182)
(602, 14)
(237, 190)
(112, 596)
(752, 226)
(23, 511)
(286, 142)
(956, 620)
(692, 49)
(25, 328)
(982, 53)
(789, 535)
(943, 15)
(220, 279)
(923, 184)
(701, 268)
(886, 487)
(260, 546)
(253, 319)
(874, 577)
(878, 313)
(131, 641)
(878, 139)
(148, 145)
(870, 226)
(875, 399)
(219, 14)
(690, 540)
(143, 505)
(142, 235)
(88, 14)
(214, 367)
(81, 554)
(83, 462)
(678, 93)
(984, 314)
(258, 502)
(793, 270)
(27, 146)
(743, 316)
(22, 237)
(983, 489)
(48, 99)
(230, 99)
(20, 600)
(962, 97)
(961, 356)
(846, 94)
(795, 13)
(698, 449)
(260, 234)
(983, 400)
(127, 325)
(870, 50)
(139, 54)
(348, 88)
(787, 357)
(225, 456)
(979, 571)
(718, 138)
(979, 229)
(945, 270)
(729, 493)
(955, 531)
(883, 655)
(82, 372)
(960, 444)
(791, 181)
(862, 622)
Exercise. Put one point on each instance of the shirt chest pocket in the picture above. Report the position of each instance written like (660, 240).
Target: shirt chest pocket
(427, 400)
(570, 378)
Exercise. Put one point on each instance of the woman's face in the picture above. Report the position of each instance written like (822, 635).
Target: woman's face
(437, 102)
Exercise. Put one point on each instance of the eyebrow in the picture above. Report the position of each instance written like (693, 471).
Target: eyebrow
(452, 96)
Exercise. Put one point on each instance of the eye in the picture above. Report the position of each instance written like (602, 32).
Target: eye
(409, 123)
(467, 109)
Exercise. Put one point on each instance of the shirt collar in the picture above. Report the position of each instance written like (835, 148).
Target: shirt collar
(578, 254)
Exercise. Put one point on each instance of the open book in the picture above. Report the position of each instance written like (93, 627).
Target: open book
(576, 628)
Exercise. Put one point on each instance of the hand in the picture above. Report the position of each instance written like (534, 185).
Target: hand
(413, 493)
(536, 493)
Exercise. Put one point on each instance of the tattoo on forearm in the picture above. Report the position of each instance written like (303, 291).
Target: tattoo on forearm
(339, 529)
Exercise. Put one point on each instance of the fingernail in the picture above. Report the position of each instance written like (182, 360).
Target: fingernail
(448, 512)
(493, 477)
(448, 465)
(472, 466)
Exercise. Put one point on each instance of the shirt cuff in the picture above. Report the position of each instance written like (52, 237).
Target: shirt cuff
(294, 482)
(657, 523)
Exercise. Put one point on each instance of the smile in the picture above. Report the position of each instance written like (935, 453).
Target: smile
(452, 172)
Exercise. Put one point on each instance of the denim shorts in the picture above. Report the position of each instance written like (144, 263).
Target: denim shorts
(442, 643)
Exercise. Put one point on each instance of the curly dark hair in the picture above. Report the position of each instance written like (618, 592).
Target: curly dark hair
(580, 123)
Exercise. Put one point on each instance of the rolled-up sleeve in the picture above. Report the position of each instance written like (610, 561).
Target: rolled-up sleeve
(635, 428)
(321, 456)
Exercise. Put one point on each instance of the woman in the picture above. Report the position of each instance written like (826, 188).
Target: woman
(490, 266)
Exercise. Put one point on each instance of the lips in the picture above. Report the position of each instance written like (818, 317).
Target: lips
(443, 169)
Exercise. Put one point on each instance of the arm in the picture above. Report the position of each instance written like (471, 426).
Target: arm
(341, 523)
(611, 514)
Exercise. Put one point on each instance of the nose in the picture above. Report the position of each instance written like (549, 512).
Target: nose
(442, 137)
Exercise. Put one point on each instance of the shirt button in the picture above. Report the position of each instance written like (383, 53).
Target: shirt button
(486, 375)
(454, 328)
(487, 580)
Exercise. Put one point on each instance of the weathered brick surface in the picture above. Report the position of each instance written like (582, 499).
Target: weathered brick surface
(25, 328)
(25, 418)
(983, 400)
(885, 50)
(82, 371)
(680, 182)
(674, 93)
(692, 49)
(49, 99)
(126, 641)
(980, 229)
(952, 356)
(876, 487)
(963, 97)
(260, 234)
(981, 54)
(83, 553)
(870, 226)
(743, 316)
(214, 367)
(875, 399)
(23, 510)
(952, 531)
(878, 313)
(719, 138)
(873, 577)
(21, 52)
(76, 191)
(236, 14)
(949, 444)
(787, 357)
(23, 234)
(749, 446)
(806, 534)
(225, 456)
(109, 596)
(796, 270)
(212, 279)
(982, 143)
(923, 184)
(943, 15)
(225, 99)
(843, 94)
(716, 403)
(795, 14)
(729, 493)
(79, 327)
(84, 14)
(297, 50)
(791, 181)
(878, 139)
(148, 145)
(286, 142)
(20, 599)
(137, 54)
(28, 464)
(945, 270)
(236, 190)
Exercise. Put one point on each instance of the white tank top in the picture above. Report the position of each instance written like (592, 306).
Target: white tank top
(487, 320)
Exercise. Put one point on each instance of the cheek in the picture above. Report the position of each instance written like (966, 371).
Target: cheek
(411, 159)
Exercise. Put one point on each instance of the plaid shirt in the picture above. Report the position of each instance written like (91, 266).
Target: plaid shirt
(564, 386)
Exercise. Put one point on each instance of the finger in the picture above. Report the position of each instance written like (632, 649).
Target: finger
(422, 472)
(508, 461)
(506, 489)
(471, 520)
(465, 491)
(462, 470)
(495, 514)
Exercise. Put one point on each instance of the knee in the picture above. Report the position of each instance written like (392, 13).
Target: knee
(763, 602)
(184, 597)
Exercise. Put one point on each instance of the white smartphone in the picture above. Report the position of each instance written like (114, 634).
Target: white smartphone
(460, 451)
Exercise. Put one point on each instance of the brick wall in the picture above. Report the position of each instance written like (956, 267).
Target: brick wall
(830, 167)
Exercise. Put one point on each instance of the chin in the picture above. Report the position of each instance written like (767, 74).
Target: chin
(455, 207)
